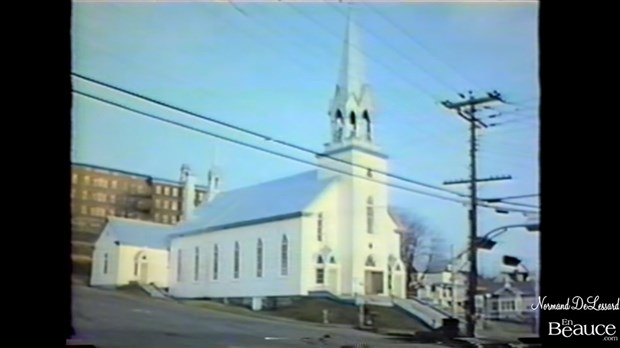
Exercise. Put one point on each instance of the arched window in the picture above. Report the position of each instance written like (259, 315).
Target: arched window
(339, 126)
(320, 275)
(105, 263)
(319, 227)
(196, 263)
(259, 258)
(370, 215)
(284, 256)
(332, 260)
(370, 261)
(138, 259)
(236, 261)
(179, 268)
(215, 261)
(320, 270)
(353, 123)
(366, 118)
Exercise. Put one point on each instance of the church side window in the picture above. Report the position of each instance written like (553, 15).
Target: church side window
(370, 215)
(196, 263)
(320, 270)
(319, 227)
(284, 256)
(179, 264)
(236, 261)
(320, 276)
(215, 261)
(259, 258)
(105, 263)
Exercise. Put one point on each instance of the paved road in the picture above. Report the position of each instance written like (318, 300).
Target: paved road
(111, 319)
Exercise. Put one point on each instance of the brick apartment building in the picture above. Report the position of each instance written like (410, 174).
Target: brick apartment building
(98, 192)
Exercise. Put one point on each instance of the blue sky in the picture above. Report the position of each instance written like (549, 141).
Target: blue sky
(272, 68)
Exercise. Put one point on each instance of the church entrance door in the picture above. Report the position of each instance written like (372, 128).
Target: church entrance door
(374, 282)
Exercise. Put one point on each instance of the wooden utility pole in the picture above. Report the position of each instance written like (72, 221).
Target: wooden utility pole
(467, 110)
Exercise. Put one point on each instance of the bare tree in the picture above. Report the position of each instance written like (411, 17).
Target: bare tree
(421, 249)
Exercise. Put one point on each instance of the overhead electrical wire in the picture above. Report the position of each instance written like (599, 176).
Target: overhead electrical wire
(259, 135)
(179, 124)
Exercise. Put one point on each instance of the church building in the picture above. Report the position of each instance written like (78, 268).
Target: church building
(324, 230)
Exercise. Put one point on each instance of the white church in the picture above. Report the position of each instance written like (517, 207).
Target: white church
(325, 230)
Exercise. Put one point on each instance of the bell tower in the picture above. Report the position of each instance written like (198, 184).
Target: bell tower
(352, 112)
(353, 157)
(351, 109)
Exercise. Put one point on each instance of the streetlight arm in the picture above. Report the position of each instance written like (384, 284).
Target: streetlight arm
(501, 230)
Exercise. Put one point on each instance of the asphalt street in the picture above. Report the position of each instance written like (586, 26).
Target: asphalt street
(111, 319)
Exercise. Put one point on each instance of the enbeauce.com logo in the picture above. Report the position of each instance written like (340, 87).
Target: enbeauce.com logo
(567, 328)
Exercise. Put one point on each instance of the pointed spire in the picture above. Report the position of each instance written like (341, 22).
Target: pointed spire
(352, 69)
(351, 110)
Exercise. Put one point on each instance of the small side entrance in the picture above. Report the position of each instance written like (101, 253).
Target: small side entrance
(144, 272)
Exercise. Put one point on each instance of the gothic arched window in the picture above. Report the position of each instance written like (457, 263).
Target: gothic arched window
(353, 123)
(179, 264)
(370, 261)
(259, 258)
(236, 261)
(284, 256)
(196, 263)
(319, 227)
(370, 215)
(215, 261)
(366, 118)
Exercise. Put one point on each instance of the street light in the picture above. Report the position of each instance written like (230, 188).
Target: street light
(486, 242)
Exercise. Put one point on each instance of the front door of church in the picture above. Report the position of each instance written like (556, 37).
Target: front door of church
(374, 282)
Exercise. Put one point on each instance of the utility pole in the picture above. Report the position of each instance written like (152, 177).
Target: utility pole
(467, 110)
(453, 273)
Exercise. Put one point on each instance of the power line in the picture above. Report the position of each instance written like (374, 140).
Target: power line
(520, 196)
(259, 135)
(386, 66)
(142, 113)
(414, 40)
(262, 136)
(118, 105)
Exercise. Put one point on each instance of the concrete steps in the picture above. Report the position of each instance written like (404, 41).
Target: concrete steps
(153, 291)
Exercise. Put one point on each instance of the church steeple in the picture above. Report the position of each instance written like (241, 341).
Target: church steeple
(351, 109)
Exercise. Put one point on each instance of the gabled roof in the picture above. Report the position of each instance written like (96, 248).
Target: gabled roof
(527, 288)
(278, 199)
(487, 286)
(139, 233)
